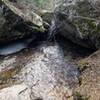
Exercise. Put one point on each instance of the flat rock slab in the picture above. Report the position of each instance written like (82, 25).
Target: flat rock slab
(43, 70)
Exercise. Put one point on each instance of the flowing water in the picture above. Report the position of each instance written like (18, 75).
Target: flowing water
(14, 47)
(46, 70)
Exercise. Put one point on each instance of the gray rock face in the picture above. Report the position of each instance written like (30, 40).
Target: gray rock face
(6, 31)
(43, 70)
(8, 23)
(79, 21)
(11, 18)
(36, 15)
(33, 11)
(26, 14)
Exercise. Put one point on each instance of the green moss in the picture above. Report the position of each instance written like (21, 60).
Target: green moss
(82, 65)
(87, 21)
(40, 1)
(38, 29)
(80, 80)
(86, 9)
(78, 96)
(87, 27)
(7, 74)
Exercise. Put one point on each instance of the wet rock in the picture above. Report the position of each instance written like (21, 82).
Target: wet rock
(79, 21)
(90, 80)
(43, 70)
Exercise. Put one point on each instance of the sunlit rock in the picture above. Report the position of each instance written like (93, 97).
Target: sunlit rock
(43, 70)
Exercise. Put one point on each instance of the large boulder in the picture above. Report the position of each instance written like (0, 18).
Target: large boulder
(28, 15)
(36, 12)
(24, 15)
(9, 30)
(79, 21)
(43, 71)
(90, 77)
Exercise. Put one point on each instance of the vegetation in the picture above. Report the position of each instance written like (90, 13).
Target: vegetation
(40, 1)
(78, 96)
(82, 65)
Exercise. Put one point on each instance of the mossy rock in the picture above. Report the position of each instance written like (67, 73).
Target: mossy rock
(31, 11)
(36, 15)
(83, 64)
(78, 96)
(7, 32)
(80, 22)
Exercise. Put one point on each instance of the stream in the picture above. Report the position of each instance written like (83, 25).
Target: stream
(44, 67)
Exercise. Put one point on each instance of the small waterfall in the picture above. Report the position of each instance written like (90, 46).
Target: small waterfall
(53, 27)
(52, 30)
